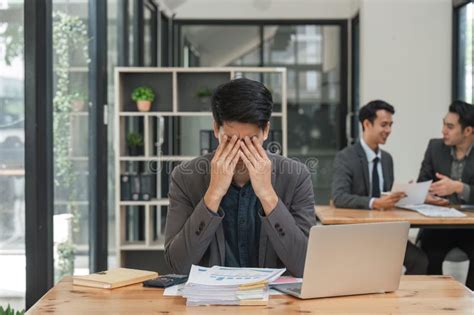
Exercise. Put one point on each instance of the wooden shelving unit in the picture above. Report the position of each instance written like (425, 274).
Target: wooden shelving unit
(171, 134)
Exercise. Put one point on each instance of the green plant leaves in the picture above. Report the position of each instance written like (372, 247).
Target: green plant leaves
(143, 93)
(10, 311)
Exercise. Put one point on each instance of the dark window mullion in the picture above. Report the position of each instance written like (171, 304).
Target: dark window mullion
(39, 187)
(138, 27)
(98, 219)
(122, 33)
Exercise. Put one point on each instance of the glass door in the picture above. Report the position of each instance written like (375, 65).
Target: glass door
(312, 54)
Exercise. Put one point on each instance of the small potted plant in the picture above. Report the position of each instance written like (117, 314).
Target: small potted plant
(135, 144)
(143, 96)
(204, 94)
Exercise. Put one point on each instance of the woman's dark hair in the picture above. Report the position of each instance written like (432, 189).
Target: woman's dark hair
(465, 112)
(369, 111)
(242, 100)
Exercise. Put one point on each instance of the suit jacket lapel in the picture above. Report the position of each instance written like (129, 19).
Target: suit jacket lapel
(364, 165)
(466, 176)
(387, 185)
(445, 167)
(262, 246)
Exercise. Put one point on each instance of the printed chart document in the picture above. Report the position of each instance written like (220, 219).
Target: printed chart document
(229, 286)
(416, 196)
(435, 211)
(176, 290)
(416, 192)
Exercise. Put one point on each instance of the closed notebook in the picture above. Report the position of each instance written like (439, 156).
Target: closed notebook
(114, 278)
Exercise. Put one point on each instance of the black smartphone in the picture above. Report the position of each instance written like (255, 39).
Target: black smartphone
(467, 208)
(165, 281)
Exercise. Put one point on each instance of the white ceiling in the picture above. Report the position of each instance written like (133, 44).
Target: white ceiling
(266, 9)
(260, 9)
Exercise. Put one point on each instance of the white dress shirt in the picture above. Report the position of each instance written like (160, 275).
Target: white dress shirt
(371, 155)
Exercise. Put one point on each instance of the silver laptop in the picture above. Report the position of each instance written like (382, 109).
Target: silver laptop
(351, 259)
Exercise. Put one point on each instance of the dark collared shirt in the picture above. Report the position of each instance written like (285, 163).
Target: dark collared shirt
(241, 226)
(457, 168)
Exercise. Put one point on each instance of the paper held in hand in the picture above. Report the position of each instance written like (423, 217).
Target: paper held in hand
(416, 196)
(416, 192)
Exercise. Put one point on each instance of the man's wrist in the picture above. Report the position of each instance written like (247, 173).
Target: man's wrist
(212, 200)
(459, 187)
(371, 203)
(375, 203)
(269, 200)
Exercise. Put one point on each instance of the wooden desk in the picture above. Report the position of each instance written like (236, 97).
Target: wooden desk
(331, 215)
(417, 294)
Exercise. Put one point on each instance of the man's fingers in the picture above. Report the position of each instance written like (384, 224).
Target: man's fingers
(250, 157)
(230, 157)
(441, 176)
(247, 162)
(437, 185)
(437, 191)
(221, 147)
(252, 148)
(443, 202)
(260, 150)
(399, 194)
(395, 198)
(229, 147)
(235, 159)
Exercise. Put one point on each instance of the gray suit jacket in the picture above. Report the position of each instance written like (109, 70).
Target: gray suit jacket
(351, 182)
(194, 235)
(438, 159)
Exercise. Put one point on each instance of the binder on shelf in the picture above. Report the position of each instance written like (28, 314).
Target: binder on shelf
(134, 224)
(208, 142)
(135, 186)
(147, 186)
(125, 187)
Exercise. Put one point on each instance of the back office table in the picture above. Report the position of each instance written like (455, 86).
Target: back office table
(332, 215)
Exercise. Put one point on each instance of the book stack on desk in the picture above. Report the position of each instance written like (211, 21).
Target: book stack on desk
(114, 278)
(229, 286)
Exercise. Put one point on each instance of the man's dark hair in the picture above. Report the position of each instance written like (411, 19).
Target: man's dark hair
(242, 100)
(369, 111)
(465, 112)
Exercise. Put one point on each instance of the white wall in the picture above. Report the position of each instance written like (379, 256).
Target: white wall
(262, 9)
(406, 60)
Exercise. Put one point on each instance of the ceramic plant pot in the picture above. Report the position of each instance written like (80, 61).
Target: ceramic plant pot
(144, 106)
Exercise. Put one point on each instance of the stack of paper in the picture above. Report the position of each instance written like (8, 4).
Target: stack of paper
(229, 286)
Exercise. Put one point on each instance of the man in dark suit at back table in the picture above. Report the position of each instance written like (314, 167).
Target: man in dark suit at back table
(450, 163)
(363, 171)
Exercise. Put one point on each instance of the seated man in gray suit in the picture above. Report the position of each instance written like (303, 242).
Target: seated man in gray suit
(240, 206)
(363, 171)
(450, 163)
